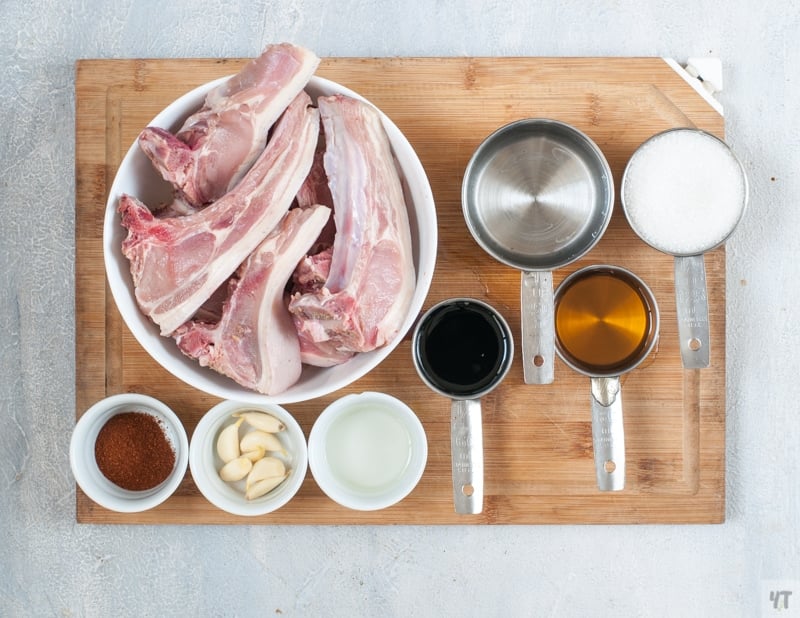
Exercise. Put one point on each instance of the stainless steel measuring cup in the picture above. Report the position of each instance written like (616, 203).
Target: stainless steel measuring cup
(462, 349)
(606, 323)
(683, 193)
(537, 195)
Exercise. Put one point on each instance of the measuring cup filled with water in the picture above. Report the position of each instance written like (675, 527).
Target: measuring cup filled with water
(462, 349)
(606, 323)
(683, 193)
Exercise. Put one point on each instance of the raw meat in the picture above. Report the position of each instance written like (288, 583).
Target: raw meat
(322, 353)
(219, 143)
(211, 309)
(255, 342)
(178, 262)
(315, 190)
(370, 283)
(312, 272)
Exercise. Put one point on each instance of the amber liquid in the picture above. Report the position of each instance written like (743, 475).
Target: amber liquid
(602, 321)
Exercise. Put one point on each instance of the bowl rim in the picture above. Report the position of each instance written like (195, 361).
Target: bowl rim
(201, 453)
(84, 467)
(317, 457)
(187, 370)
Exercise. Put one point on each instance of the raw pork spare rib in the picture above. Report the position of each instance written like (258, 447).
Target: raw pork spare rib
(371, 279)
(178, 262)
(219, 143)
(255, 342)
(315, 190)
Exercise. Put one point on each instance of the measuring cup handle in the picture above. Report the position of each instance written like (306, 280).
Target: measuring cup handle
(466, 447)
(608, 434)
(691, 304)
(538, 330)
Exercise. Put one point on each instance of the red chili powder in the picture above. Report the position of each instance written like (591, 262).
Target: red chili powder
(133, 452)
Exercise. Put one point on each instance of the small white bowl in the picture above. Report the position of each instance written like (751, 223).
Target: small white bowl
(367, 451)
(84, 466)
(204, 462)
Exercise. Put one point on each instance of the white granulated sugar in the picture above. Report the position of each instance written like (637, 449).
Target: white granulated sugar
(684, 192)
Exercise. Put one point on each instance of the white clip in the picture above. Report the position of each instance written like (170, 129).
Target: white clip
(708, 71)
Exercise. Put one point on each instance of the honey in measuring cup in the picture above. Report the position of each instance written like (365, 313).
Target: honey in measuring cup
(604, 320)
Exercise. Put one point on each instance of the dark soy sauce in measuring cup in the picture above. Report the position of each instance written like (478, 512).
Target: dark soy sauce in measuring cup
(462, 349)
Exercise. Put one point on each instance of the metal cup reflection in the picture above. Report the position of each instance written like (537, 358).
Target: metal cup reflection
(462, 349)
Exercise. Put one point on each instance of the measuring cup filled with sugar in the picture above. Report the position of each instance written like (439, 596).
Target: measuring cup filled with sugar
(683, 193)
(462, 349)
(606, 323)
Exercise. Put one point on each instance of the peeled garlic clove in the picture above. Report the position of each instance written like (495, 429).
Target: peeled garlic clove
(228, 442)
(261, 420)
(255, 454)
(236, 469)
(265, 468)
(257, 438)
(264, 486)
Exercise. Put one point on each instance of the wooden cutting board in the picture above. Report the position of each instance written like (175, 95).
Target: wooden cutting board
(538, 452)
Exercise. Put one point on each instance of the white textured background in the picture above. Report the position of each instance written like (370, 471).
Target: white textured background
(51, 566)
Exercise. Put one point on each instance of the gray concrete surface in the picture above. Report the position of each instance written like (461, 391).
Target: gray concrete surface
(49, 565)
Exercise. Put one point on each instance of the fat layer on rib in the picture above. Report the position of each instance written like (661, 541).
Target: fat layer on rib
(178, 262)
(255, 341)
(370, 281)
(218, 144)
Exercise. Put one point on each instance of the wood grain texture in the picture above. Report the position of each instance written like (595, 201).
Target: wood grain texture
(537, 439)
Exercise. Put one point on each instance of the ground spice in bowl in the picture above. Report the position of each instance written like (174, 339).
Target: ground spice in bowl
(133, 451)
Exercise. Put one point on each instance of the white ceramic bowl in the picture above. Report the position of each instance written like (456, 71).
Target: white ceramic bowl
(84, 467)
(204, 462)
(367, 451)
(137, 177)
